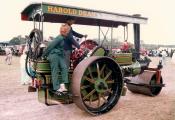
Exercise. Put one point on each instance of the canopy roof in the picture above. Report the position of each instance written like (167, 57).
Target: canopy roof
(57, 13)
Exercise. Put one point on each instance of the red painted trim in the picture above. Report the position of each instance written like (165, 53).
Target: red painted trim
(24, 17)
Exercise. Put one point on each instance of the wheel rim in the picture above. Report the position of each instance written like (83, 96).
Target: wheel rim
(155, 90)
(100, 86)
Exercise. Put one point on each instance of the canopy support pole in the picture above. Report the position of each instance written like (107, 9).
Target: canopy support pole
(111, 37)
(99, 34)
(137, 40)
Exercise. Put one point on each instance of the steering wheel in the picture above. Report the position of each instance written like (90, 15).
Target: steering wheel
(35, 39)
(33, 43)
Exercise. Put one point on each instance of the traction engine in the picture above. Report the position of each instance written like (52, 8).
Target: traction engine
(97, 76)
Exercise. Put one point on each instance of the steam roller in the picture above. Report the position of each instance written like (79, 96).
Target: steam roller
(139, 78)
(150, 82)
(96, 77)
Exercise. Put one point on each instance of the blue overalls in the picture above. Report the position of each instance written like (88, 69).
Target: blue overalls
(55, 54)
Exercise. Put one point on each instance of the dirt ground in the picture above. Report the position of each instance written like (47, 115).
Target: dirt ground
(17, 104)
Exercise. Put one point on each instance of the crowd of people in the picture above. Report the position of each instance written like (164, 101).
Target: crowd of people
(163, 54)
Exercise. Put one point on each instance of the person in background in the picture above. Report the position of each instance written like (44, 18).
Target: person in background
(55, 54)
(70, 40)
(125, 46)
(173, 58)
(164, 55)
(25, 79)
(8, 59)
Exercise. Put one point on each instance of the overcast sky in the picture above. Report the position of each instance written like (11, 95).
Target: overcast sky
(159, 30)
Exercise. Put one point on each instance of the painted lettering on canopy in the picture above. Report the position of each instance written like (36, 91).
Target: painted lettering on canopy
(70, 11)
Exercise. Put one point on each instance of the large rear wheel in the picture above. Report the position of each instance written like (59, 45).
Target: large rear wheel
(97, 84)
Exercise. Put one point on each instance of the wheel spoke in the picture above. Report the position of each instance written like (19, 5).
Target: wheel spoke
(99, 96)
(89, 79)
(85, 86)
(90, 101)
(98, 70)
(107, 76)
(90, 72)
(109, 90)
(102, 69)
(88, 95)
(110, 81)
(104, 99)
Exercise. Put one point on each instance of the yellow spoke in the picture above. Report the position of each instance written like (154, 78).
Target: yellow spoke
(90, 72)
(84, 86)
(90, 101)
(98, 70)
(89, 79)
(104, 99)
(109, 90)
(107, 76)
(102, 68)
(88, 95)
(110, 81)
(99, 96)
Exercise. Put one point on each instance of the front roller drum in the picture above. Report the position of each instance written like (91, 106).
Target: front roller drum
(146, 83)
(97, 84)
